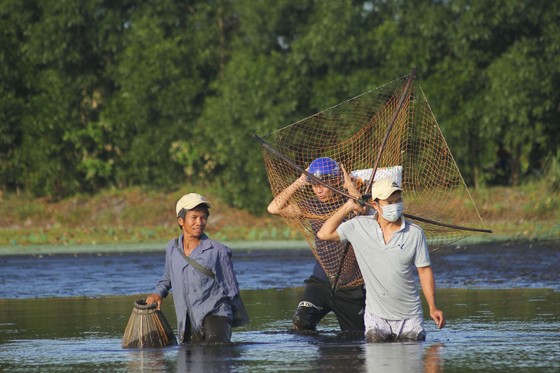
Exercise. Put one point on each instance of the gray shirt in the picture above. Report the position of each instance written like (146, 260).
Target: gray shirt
(391, 291)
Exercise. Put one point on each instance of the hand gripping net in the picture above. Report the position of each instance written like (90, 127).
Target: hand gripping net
(389, 132)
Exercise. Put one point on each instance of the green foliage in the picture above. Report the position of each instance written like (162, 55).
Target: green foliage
(552, 172)
(98, 94)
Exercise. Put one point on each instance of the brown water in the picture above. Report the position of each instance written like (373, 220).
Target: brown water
(73, 311)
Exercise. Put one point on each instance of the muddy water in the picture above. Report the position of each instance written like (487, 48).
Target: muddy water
(68, 313)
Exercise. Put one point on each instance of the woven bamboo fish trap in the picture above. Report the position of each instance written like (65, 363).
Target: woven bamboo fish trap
(147, 327)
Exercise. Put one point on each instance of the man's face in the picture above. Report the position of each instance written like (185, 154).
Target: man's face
(323, 193)
(393, 198)
(195, 221)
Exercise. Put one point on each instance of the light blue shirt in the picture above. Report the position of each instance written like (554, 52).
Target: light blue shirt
(195, 294)
(388, 268)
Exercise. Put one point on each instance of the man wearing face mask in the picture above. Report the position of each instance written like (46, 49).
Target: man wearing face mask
(387, 246)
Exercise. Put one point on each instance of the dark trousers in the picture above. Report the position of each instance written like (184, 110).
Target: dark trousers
(348, 305)
(215, 329)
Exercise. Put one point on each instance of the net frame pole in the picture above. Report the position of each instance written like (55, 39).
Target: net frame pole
(339, 272)
(406, 92)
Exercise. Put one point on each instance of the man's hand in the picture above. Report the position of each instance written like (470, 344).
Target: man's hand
(154, 298)
(349, 183)
(302, 180)
(437, 316)
(353, 206)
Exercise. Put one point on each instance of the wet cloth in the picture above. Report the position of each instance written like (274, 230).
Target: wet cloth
(382, 330)
(196, 295)
(388, 270)
(215, 329)
(318, 300)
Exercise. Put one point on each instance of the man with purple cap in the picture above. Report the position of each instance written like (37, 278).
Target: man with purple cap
(387, 246)
(200, 271)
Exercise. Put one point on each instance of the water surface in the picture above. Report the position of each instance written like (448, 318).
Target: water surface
(67, 313)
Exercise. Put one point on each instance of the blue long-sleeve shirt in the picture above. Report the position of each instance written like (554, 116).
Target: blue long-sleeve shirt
(195, 294)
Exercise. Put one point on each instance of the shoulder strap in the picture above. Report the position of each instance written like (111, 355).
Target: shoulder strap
(199, 267)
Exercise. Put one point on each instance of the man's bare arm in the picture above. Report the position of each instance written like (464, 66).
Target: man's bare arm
(428, 284)
(279, 206)
(328, 230)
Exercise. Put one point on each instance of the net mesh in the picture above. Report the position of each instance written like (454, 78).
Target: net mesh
(415, 155)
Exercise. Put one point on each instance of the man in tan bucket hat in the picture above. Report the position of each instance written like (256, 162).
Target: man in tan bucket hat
(200, 271)
(387, 246)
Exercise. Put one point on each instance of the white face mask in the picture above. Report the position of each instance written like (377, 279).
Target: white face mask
(392, 212)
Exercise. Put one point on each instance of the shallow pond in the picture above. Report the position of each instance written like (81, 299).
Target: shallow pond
(67, 313)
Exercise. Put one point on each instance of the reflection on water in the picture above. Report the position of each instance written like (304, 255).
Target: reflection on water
(488, 330)
(401, 357)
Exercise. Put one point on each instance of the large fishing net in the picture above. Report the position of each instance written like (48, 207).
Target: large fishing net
(387, 132)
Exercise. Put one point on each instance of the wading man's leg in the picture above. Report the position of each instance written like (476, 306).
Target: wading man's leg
(313, 306)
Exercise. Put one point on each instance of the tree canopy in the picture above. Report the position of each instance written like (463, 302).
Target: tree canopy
(99, 93)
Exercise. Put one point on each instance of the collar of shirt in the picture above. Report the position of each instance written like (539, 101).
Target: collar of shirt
(204, 244)
(379, 231)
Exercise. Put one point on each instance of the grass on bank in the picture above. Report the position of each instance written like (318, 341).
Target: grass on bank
(140, 216)
(123, 216)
